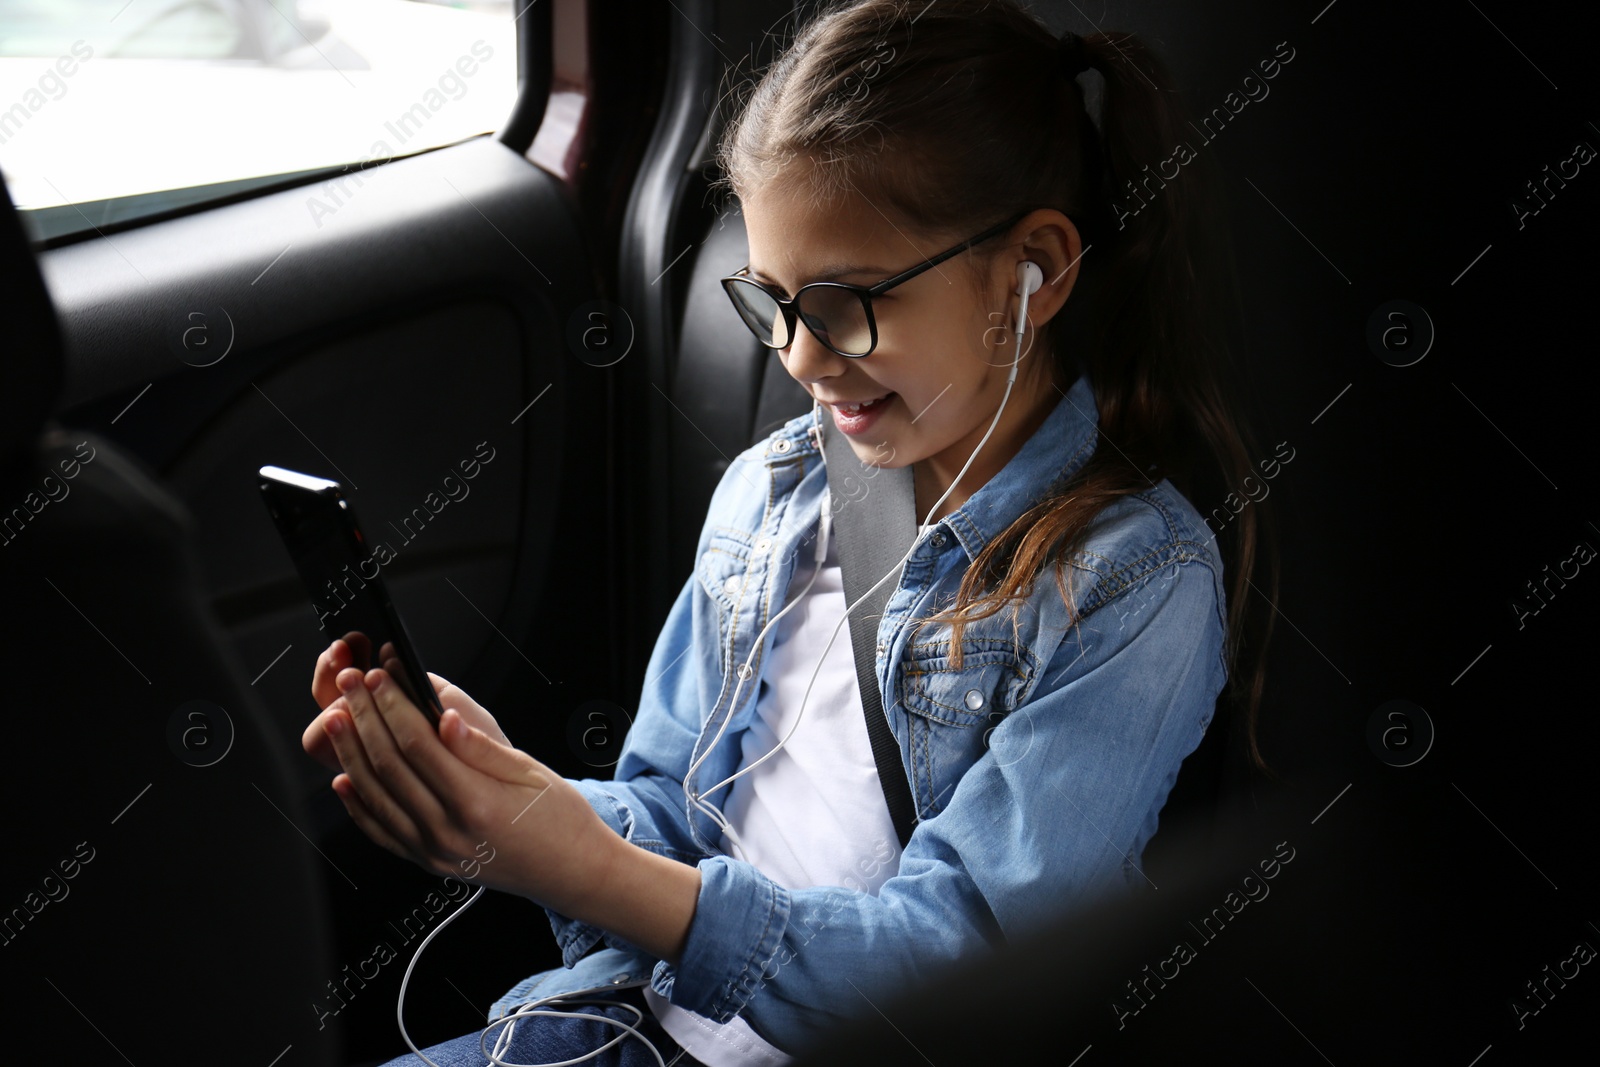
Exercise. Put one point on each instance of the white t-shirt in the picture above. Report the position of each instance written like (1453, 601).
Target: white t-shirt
(814, 813)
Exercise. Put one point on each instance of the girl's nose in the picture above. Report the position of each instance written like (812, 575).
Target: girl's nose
(808, 360)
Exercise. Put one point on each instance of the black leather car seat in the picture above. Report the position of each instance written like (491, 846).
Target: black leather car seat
(157, 883)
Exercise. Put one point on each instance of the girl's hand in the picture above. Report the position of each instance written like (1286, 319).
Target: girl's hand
(460, 799)
(325, 691)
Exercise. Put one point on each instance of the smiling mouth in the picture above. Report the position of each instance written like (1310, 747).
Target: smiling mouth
(860, 406)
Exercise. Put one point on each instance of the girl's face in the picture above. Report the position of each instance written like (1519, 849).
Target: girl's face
(944, 346)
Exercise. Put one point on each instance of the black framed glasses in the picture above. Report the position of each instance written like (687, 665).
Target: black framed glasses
(838, 314)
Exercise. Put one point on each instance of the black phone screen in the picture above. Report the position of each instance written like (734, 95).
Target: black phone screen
(344, 579)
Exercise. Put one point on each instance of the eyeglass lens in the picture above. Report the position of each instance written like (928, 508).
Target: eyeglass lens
(836, 316)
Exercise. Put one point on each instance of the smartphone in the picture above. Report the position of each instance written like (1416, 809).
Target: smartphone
(346, 584)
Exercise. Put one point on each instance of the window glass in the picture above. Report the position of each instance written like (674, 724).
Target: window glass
(106, 102)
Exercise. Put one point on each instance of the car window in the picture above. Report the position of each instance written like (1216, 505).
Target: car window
(117, 109)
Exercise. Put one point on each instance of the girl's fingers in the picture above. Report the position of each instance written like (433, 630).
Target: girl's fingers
(371, 788)
(453, 696)
(334, 658)
(483, 753)
(362, 816)
(316, 741)
(443, 783)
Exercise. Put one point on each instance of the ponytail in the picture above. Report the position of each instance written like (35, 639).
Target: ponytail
(1156, 349)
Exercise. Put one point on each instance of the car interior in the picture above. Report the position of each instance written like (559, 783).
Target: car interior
(545, 300)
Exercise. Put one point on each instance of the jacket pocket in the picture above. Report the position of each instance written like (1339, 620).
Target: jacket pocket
(952, 712)
(723, 568)
(988, 682)
(723, 573)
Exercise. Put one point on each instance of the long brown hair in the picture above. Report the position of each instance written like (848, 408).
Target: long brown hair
(953, 114)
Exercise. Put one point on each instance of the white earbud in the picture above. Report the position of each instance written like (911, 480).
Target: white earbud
(1029, 280)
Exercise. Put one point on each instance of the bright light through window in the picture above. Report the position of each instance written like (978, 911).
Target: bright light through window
(103, 99)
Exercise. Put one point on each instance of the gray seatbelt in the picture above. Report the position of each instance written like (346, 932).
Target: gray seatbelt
(875, 522)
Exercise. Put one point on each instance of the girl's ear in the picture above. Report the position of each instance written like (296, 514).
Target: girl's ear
(1054, 243)
(1048, 238)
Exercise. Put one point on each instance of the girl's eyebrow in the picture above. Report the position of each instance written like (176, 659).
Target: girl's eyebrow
(827, 274)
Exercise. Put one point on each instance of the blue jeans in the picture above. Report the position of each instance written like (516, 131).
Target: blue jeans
(545, 1039)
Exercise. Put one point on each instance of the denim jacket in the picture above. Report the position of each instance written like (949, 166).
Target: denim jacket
(1038, 768)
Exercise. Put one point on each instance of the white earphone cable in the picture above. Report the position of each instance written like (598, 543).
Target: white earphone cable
(530, 1010)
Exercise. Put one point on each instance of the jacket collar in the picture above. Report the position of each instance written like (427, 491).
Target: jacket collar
(1058, 448)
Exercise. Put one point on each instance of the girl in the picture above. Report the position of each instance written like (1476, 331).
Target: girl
(1051, 648)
